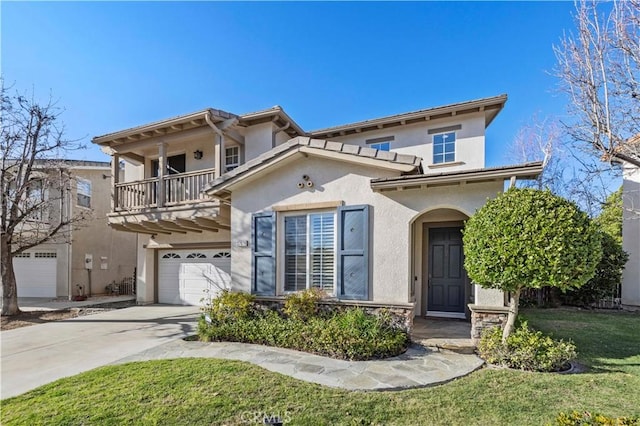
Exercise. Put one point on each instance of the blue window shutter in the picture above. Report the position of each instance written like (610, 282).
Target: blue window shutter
(263, 250)
(353, 252)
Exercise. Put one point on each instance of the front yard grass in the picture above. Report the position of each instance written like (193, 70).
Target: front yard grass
(207, 391)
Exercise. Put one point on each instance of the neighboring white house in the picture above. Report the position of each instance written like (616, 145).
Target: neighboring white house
(371, 211)
(91, 255)
(631, 234)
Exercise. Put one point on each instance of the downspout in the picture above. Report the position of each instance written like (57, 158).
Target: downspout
(220, 153)
(276, 131)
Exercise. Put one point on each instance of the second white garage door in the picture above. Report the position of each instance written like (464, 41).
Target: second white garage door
(36, 273)
(185, 277)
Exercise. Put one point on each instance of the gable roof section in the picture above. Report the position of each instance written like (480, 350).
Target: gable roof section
(490, 106)
(221, 186)
(163, 127)
(197, 119)
(278, 116)
(523, 171)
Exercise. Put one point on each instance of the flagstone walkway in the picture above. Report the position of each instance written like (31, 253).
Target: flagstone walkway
(418, 367)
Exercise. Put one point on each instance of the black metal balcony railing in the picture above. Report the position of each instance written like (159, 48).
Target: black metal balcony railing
(177, 189)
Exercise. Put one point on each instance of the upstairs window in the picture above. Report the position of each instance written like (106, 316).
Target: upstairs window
(231, 157)
(35, 202)
(382, 144)
(84, 192)
(444, 147)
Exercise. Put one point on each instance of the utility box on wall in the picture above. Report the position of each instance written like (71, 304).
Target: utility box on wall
(88, 261)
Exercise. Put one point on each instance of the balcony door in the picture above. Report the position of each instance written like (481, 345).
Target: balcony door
(175, 164)
(174, 189)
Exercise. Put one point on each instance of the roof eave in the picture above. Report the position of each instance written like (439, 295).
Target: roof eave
(523, 171)
(491, 106)
(110, 138)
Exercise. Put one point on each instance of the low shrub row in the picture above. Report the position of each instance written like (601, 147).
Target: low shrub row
(576, 418)
(525, 349)
(346, 334)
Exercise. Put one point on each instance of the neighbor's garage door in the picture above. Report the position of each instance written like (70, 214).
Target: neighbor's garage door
(185, 277)
(36, 273)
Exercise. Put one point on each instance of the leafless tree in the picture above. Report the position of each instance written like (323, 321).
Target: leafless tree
(598, 66)
(539, 140)
(33, 183)
(568, 171)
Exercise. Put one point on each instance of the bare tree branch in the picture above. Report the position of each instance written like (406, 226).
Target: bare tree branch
(34, 183)
(599, 69)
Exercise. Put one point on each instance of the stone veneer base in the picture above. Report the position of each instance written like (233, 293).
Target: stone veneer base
(483, 317)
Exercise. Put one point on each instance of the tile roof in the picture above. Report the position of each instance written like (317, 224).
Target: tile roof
(300, 142)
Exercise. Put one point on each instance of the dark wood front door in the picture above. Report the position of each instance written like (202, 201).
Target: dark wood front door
(447, 277)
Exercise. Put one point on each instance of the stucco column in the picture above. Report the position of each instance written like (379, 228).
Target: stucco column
(145, 276)
(488, 297)
(115, 179)
(219, 155)
(162, 167)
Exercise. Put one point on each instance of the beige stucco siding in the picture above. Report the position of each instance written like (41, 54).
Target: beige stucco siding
(392, 215)
(112, 250)
(258, 140)
(415, 140)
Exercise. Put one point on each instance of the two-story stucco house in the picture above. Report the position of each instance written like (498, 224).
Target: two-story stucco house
(90, 255)
(371, 212)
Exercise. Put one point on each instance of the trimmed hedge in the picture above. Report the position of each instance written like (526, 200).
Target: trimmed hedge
(347, 334)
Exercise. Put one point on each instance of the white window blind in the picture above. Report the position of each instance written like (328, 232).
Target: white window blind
(309, 259)
(295, 258)
(322, 250)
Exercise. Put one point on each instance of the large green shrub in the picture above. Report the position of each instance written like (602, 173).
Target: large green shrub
(608, 274)
(607, 278)
(525, 349)
(526, 238)
(346, 334)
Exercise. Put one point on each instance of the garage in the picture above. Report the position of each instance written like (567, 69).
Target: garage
(185, 277)
(36, 273)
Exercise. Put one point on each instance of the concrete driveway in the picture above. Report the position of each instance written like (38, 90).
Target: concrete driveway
(39, 354)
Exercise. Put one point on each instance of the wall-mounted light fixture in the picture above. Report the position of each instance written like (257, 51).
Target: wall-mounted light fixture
(197, 154)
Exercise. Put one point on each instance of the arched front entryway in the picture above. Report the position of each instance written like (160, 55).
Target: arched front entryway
(441, 286)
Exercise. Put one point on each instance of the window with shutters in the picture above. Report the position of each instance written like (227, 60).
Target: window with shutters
(310, 251)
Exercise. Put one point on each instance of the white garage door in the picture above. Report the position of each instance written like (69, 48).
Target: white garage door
(185, 277)
(36, 273)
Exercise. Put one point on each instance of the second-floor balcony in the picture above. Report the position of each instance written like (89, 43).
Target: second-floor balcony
(170, 190)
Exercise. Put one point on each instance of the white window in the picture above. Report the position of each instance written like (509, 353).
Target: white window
(196, 256)
(444, 148)
(232, 157)
(309, 251)
(84, 192)
(46, 255)
(382, 144)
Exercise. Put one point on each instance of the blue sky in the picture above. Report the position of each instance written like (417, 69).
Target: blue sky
(115, 65)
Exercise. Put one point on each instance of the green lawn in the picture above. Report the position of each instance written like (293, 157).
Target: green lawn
(204, 391)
